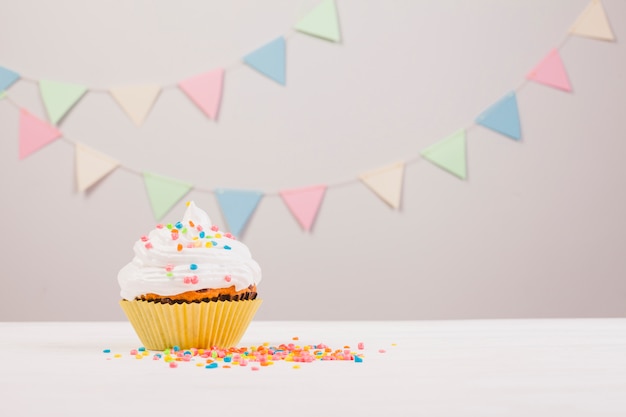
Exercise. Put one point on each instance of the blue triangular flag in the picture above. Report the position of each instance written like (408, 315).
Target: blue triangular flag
(237, 207)
(503, 117)
(269, 60)
(7, 78)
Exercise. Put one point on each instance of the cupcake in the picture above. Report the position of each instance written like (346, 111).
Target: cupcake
(190, 285)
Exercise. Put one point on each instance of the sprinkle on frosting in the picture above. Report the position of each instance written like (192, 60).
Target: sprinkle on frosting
(179, 249)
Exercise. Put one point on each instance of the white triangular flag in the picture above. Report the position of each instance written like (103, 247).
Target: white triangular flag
(386, 182)
(593, 23)
(136, 101)
(91, 166)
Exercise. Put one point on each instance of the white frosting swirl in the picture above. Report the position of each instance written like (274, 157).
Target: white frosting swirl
(190, 255)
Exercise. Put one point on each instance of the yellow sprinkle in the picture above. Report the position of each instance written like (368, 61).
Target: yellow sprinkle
(145, 353)
(307, 347)
(117, 355)
(208, 244)
(195, 238)
(393, 344)
(187, 203)
(288, 358)
(199, 364)
(266, 343)
(200, 351)
(138, 356)
(296, 367)
(218, 235)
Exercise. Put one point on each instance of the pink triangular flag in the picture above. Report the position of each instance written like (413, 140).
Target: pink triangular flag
(34, 133)
(205, 90)
(304, 203)
(551, 72)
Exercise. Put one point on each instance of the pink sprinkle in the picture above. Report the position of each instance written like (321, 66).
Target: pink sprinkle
(155, 358)
(159, 226)
(381, 350)
(361, 345)
(169, 267)
(187, 280)
(227, 278)
(133, 351)
(194, 279)
(199, 228)
(215, 228)
(173, 364)
(190, 245)
(149, 245)
(144, 238)
(255, 368)
(228, 235)
(243, 362)
(174, 236)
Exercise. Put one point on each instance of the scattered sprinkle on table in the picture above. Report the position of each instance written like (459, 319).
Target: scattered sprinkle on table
(256, 356)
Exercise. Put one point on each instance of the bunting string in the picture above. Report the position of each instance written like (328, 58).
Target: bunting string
(304, 203)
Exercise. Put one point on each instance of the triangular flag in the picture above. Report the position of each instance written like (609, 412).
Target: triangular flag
(503, 117)
(593, 23)
(321, 22)
(34, 133)
(386, 182)
(164, 192)
(449, 154)
(59, 97)
(205, 90)
(237, 207)
(136, 101)
(551, 71)
(269, 60)
(7, 78)
(304, 203)
(91, 166)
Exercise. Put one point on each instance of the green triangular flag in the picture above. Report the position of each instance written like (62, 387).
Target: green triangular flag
(449, 154)
(321, 22)
(59, 97)
(164, 192)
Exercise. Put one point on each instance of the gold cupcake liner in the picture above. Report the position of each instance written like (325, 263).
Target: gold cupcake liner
(198, 325)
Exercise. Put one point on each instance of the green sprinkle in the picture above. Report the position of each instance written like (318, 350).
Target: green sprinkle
(169, 226)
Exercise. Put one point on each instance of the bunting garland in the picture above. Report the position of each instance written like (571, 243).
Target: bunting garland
(205, 91)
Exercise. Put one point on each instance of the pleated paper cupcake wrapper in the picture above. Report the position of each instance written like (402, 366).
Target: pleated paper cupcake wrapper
(193, 325)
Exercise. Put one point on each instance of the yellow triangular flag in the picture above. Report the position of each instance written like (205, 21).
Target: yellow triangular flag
(386, 182)
(136, 101)
(593, 23)
(91, 166)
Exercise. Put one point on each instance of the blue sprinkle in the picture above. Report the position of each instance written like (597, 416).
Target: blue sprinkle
(158, 355)
(141, 349)
(227, 247)
(179, 225)
(211, 365)
(358, 359)
(193, 267)
(227, 359)
(187, 352)
(202, 234)
(214, 243)
(176, 348)
(106, 351)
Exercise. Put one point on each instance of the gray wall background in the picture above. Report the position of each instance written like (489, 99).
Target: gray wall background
(538, 230)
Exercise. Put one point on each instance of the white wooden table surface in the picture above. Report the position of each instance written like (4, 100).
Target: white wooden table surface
(526, 368)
